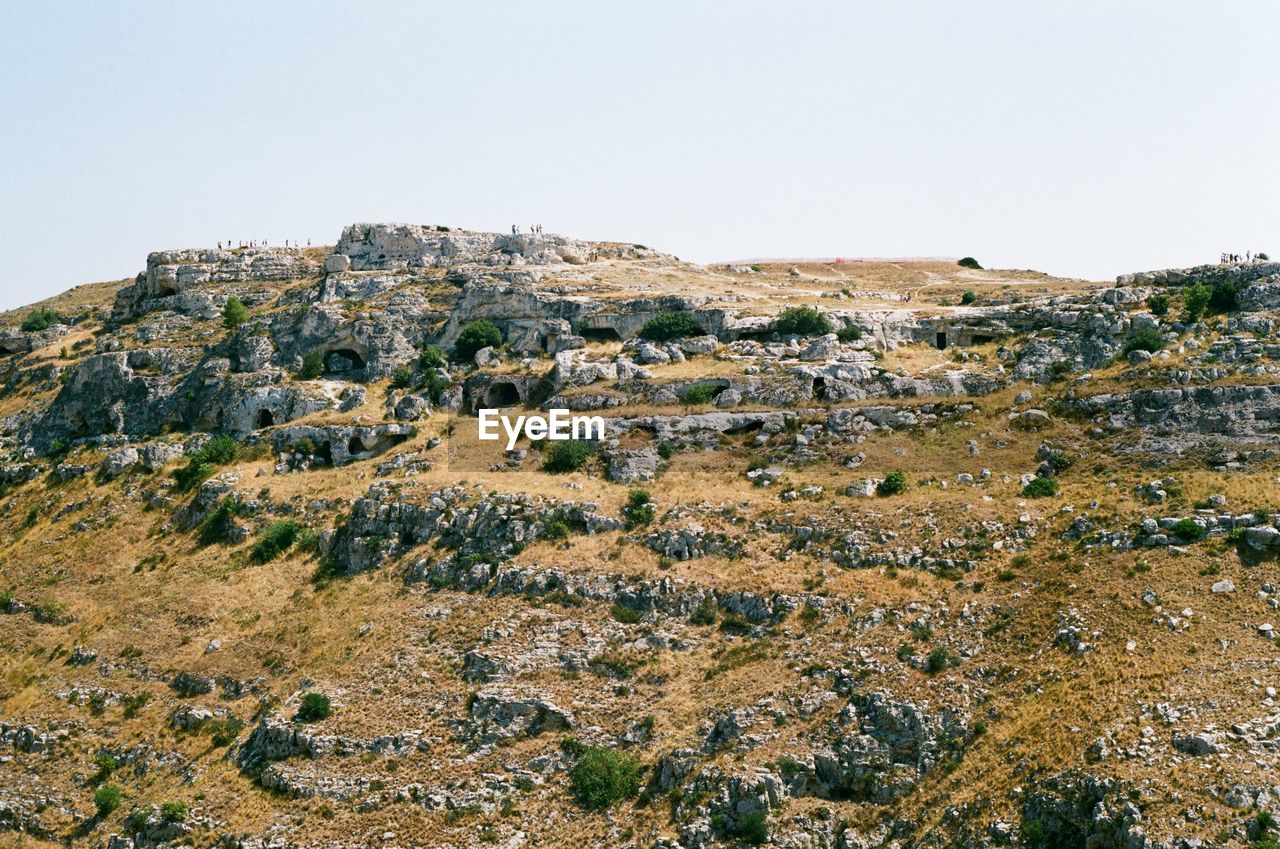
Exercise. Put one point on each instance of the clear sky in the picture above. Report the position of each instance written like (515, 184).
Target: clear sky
(1081, 138)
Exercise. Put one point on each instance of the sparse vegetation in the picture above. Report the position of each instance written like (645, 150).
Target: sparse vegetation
(639, 509)
(278, 538)
(668, 326)
(106, 799)
(699, 394)
(40, 319)
(1144, 339)
(968, 297)
(312, 365)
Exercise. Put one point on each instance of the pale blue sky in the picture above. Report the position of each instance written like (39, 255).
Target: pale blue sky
(1086, 138)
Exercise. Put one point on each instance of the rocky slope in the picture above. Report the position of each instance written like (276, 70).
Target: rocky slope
(262, 586)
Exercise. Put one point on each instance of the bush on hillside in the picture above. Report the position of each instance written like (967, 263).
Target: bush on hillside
(671, 325)
(639, 510)
(431, 356)
(893, 483)
(1144, 339)
(314, 707)
(40, 319)
(849, 334)
(234, 313)
(106, 799)
(1158, 304)
(217, 526)
(1195, 299)
(603, 776)
(968, 297)
(969, 262)
(312, 366)
(802, 321)
(700, 394)
(567, 456)
(1040, 488)
(278, 538)
(476, 335)
(1188, 529)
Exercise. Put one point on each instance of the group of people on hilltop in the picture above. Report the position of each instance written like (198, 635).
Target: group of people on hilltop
(1248, 256)
(533, 228)
(254, 243)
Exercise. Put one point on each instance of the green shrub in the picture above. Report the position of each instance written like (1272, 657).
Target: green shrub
(639, 509)
(603, 776)
(969, 262)
(893, 483)
(173, 811)
(106, 799)
(315, 706)
(567, 455)
(1195, 299)
(217, 526)
(705, 613)
(626, 615)
(431, 356)
(752, 828)
(700, 394)
(278, 538)
(1040, 488)
(802, 321)
(40, 319)
(218, 451)
(312, 365)
(476, 335)
(938, 660)
(401, 376)
(1144, 339)
(105, 764)
(1158, 304)
(849, 334)
(671, 325)
(968, 297)
(223, 732)
(1188, 529)
(234, 313)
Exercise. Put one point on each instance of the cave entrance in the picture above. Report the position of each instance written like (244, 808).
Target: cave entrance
(820, 388)
(356, 446)
(343, 361)
(600, 334)
(502, 393)
(942, 340)
(266, 418)
(166, 290)
(981, 340)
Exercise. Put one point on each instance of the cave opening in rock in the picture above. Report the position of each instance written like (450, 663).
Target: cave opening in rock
(820, 388)
(355, 446)
(501, 393)
(600, 334)
(166, 290)
(981, 340)
(343, 360)
(942, 340)
(266, 418)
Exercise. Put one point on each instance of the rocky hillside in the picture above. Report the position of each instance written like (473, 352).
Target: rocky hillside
(872, 554)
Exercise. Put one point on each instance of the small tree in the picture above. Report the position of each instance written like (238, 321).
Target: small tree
(969, 262)
(106, 799)
(431, 356)
(968, 297)
(401, 376)
(1158, 304)
(312, 365)
(893, 483)
(849, 334)
(752, 828)
(1195, 299)
(314, 707)
(234, 313)
(603, 776)
(802, 321)
(476, 335)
